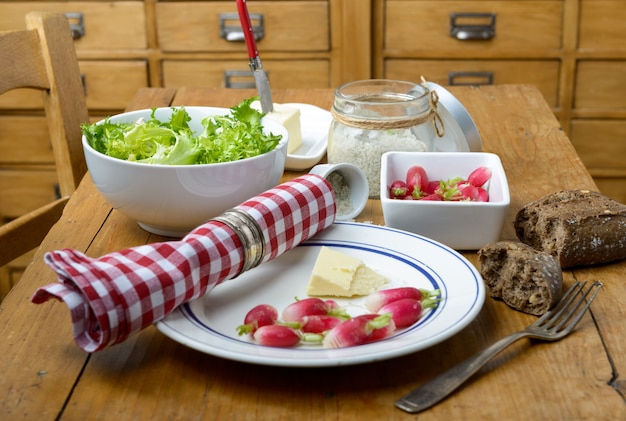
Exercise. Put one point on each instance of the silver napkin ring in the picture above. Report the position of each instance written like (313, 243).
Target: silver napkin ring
(249, 233)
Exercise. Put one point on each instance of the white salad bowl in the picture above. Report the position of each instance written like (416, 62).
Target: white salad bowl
(461, 225)
(171, 200)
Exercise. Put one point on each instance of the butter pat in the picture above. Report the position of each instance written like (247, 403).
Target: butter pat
(338, 275)
(290, 118)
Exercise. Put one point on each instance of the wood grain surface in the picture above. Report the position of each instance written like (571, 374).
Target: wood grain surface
(44, 375)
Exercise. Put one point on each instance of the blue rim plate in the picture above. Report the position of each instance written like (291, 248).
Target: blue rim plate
(209, 323)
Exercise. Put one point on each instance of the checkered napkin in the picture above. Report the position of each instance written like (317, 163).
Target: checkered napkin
(120, 293)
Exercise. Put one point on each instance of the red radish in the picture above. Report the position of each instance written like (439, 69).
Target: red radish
(333, 305)
(276, 336)
(469, 192)
(416, 181)
(483, 195)
(398, 190)
(381, 333)
(295, 311)
(479, 176)
(359, 330)
(432, 197)
(432, 186)
(261, 315)
(319, 323)
(376, 300)
(406, 311)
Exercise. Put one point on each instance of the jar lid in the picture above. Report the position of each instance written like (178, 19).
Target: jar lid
(461, 133)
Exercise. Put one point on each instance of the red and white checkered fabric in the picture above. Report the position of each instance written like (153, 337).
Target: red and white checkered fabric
(120, 293)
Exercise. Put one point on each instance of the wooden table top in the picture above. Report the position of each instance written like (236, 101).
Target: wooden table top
(45, 376)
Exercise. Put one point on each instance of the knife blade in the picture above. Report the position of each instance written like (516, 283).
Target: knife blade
(260, 77)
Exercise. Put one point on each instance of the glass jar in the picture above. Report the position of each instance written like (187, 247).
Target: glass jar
(371, 117)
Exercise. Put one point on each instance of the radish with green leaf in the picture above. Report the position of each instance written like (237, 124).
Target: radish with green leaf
(416, 181)
(376, 300)
(398, 190)
(407, 311)
(261, 315)
(454, 189)
(359, 330)
(297, 310)
(276, 336)
(319, 323)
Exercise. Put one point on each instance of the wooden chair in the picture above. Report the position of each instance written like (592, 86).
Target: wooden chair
(43, 57)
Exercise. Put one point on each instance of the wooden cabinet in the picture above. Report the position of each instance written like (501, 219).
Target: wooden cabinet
(471, 42)
(574, 51)
(597, 123)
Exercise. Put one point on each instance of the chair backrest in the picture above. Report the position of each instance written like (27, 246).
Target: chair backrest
(43, 57)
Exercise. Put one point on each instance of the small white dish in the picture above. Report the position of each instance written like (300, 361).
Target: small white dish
(209, 323)
(355, 180)
(460, 225)
(314, 122)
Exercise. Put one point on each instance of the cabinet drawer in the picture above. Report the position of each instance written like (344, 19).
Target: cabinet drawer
(542, 73)
(517, 26)
(24, 190)
(106, 25)
(288, 26)
(600, 84)
(24, 140)
(282, 74)
(602, 25)
(109, 85)
(601, 144)
(614, 187)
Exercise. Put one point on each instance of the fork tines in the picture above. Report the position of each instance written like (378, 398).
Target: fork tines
(566, 315)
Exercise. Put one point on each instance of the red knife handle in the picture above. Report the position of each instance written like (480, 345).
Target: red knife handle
(246, 26)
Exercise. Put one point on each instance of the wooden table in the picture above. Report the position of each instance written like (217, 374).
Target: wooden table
(45, 376)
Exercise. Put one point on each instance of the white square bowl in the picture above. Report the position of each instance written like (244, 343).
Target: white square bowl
(460, 225)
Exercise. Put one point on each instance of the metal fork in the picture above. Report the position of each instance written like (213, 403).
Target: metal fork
(552, 326)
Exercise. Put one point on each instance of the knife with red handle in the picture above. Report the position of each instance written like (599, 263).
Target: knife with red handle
(260, 77)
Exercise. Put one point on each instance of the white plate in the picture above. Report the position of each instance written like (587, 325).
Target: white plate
(208, 324)
(315, 123)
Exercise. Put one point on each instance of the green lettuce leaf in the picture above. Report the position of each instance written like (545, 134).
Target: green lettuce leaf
(227, 138)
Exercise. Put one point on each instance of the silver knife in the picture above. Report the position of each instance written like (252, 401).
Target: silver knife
(260, 77)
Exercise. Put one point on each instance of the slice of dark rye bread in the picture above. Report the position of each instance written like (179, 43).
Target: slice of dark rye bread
(524, 278)
(578, 227)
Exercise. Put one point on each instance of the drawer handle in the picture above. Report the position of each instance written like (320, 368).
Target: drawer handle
(470, 78)
(237, 79)
(77, 24)
(232, 32)
(83, 81)
(472, 26)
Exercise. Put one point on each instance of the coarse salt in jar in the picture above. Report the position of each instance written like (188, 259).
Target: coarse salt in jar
(371, 117)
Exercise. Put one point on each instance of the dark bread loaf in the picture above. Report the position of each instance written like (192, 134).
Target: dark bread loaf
(526, 279)
(578, 227)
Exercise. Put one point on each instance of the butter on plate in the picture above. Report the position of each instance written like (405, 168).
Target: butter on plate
(339, 275)
(289, 117)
